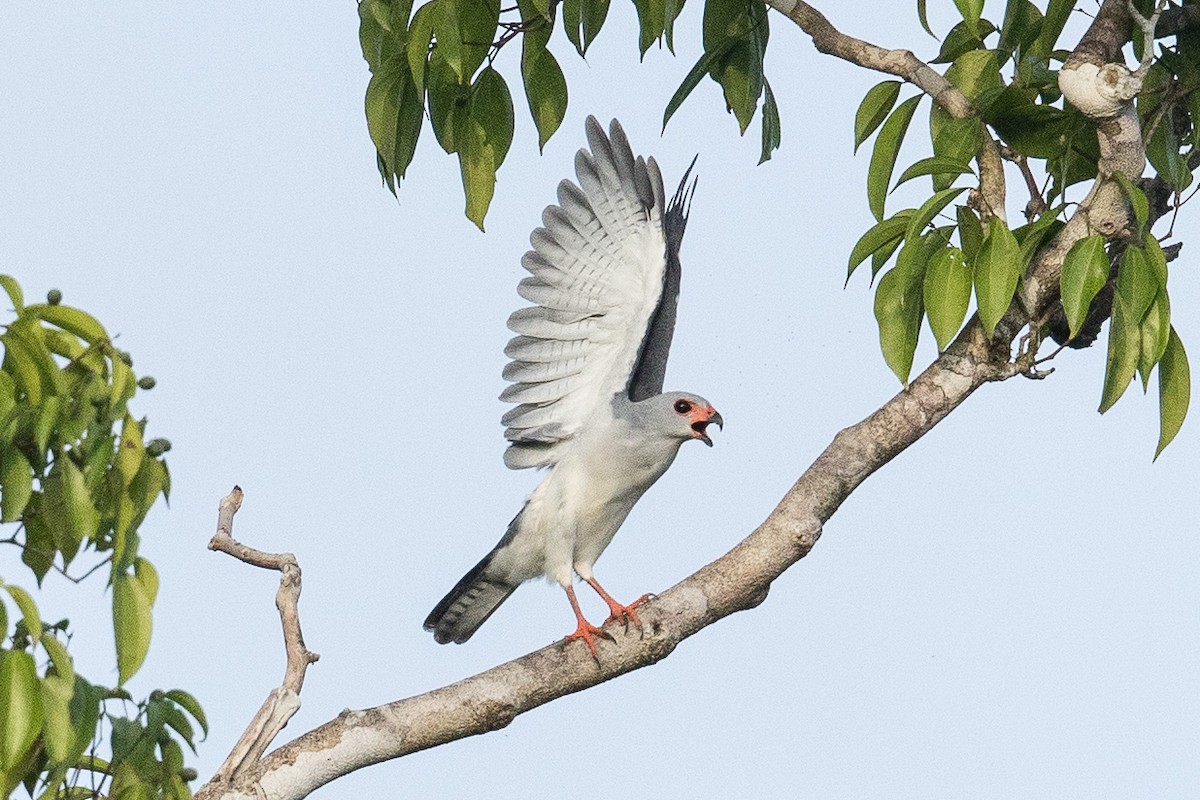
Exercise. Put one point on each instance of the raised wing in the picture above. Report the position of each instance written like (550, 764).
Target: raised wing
(597, 273)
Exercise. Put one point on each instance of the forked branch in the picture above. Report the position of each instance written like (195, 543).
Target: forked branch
(283, 701)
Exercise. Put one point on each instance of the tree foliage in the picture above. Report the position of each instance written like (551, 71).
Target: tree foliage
(77, 478)
(437, 64)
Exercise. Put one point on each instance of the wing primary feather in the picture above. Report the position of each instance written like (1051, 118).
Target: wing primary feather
(647, 378)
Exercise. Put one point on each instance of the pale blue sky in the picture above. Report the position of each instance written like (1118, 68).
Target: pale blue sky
(1009, 609)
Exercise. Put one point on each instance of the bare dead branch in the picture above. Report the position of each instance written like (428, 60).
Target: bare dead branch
(283, 702)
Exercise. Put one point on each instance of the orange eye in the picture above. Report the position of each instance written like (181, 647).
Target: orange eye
(682, 406)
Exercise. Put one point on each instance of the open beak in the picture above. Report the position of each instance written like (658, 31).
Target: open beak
(700, 426)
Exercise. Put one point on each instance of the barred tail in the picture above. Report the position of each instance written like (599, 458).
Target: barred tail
(468, 605)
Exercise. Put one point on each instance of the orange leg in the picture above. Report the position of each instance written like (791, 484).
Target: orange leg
(584, 630)
(617, 611)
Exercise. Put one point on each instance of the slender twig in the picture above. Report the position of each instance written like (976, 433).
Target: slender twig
(1036, 204)
(283, 701)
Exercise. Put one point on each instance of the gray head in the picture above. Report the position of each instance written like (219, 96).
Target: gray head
(680, 415)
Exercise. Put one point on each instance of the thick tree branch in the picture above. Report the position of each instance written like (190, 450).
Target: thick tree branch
(283, 702)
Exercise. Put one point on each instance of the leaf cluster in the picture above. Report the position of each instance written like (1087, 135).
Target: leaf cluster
(1009, 74)
(76, 476)
(438, 63)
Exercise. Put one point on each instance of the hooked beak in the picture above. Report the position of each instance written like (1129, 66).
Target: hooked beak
(700, 426)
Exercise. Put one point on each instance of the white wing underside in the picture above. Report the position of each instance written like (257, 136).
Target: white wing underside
(596, 277)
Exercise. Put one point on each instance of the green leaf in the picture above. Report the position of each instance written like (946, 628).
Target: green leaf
(880, 257)
(652, 22)
(123, 382)
(1155, 333)
(1162, 151)
(962, 38)
(492, 110)
(29, 611)
(898, 311)
(190, 705)
(572, 17)
(878, 236)
(70, 511)
(21, 361)
(1136, 280)
(20, 707)
(933, 166)
(930, 209)
(883, 156)
(873, 110)
(701, 68)
(970, 232)
(997, 270)
(64, 666)
(947, 293)
(1033, 129)
(770, 123)
(483, 141)
(977, 74)
(921, 15)
(129, 457)
(16, 480)
(73, 320)
(954, 141)
(13, 290)
(1057, 14)
(131, 624)
(741, 30)
(58, 736)
(448, 100)
(446, 31)
(46, 421)
(144, 571)
(477, 22)
(420, 34)
(671, 11)
(1174, 390)
(970, 9)
(395, 113)
(593, 14)
(39, 551)
(545, 90)
(1031, 236)
(582, 20)
(1084, 272)
(1021, 27)
(85, 714)
(1156, 257)
(1124, 343)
